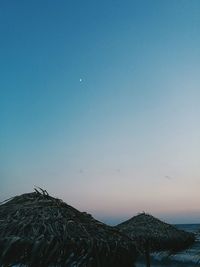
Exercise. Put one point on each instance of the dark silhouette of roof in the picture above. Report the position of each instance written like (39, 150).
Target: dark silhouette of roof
(39, 230)
(159, 235)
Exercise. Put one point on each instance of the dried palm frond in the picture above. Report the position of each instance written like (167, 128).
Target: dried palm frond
(39, 230)
(160, 236)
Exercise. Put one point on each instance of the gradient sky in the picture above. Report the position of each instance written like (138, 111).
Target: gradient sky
(100, 105)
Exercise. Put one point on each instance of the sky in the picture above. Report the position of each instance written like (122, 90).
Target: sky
(99, 105)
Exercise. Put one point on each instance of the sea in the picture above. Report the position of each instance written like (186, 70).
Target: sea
(186, 258)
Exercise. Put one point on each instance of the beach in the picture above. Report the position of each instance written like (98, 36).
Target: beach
(185, 258)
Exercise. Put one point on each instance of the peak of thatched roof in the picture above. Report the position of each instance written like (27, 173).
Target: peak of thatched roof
(145, 228)
(39, 230)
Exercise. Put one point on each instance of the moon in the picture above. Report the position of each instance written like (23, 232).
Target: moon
(80, 80)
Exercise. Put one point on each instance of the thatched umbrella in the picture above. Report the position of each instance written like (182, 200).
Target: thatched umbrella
(151, 234)
(39, 230)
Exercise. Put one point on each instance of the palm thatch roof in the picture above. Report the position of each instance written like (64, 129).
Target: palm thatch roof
(39, 230)
(159, 235)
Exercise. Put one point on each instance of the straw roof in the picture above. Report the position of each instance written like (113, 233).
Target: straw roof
(159, 235)
(39, 230)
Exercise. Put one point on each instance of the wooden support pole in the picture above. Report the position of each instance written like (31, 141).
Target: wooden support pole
(147, 254)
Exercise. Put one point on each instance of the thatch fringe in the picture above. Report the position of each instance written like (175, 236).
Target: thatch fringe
(39, 230)
(160, 236)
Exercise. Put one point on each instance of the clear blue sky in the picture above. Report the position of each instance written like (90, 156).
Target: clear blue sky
(99, 104)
